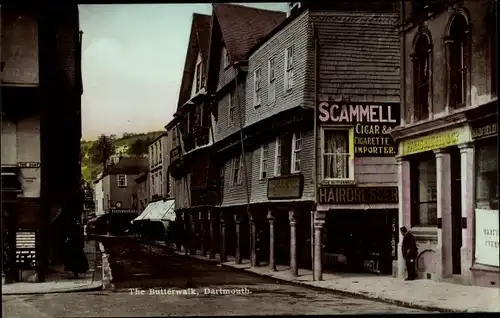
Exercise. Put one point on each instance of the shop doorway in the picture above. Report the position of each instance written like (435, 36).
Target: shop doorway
(456, 209)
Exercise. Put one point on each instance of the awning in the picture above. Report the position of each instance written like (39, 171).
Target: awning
(158, 211)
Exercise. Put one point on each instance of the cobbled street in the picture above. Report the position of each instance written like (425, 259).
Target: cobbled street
(144, 267)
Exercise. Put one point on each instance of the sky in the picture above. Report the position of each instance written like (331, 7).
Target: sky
(132, 64)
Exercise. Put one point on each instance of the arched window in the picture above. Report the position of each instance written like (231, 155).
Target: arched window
(421, 77)
(458, 61)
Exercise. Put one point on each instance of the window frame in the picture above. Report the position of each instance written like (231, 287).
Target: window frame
(232, 108)
(238, 169)
(199, 76)
(264, 160)
(257, 87)
(225, 56)
(415, 189)
(289, 68)
(459, 49)
(271, 80)
(296, 151)
(277, 157)
(124, 185)
(350, 147)
(422, 77)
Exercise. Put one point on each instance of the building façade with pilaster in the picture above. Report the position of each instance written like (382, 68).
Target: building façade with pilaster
(447, 158)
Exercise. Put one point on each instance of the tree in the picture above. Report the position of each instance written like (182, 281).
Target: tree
(102, 149)
(138, 147)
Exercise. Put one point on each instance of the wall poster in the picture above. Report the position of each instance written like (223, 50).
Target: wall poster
(487, 237)
(372, 123)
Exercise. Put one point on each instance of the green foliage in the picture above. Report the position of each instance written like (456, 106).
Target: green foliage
(93, 151)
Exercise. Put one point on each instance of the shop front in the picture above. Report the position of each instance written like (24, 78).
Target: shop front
(359, 233)
(485, 268)
(435, 185)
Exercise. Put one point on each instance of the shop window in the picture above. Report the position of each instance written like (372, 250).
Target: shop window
(336, 155)
(421, 77)
(424, 191)
(459, 51)
(487, 175)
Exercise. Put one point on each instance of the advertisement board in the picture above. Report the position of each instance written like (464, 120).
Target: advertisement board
(372, 123)
(487, 237)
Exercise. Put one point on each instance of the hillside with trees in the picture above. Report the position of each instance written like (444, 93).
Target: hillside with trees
(95, 153)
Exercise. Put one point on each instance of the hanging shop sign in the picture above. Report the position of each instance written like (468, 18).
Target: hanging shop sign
(487, 237)
(357, 195)
(124, 211)
(435, 141)
(285, 187)
(484, 128)
(372, 125)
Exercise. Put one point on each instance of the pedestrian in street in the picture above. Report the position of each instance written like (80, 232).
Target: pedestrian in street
(76, 261)
(410, 252)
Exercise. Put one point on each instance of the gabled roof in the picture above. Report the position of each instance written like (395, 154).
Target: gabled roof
(199, 41)
(129, 166)
(243, 27)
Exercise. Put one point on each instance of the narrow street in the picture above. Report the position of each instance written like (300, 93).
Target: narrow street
(143, 267)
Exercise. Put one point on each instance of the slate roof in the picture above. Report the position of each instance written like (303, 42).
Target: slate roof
(199, 39)
(361, 54)
(132, 165)
(243, 27)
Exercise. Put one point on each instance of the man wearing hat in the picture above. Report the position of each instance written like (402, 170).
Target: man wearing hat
(410, 252)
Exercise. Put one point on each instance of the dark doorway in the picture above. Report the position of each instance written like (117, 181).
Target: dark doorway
(456, 209)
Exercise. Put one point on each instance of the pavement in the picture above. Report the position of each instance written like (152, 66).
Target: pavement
(421, 294)
(151, 280)
(59, 281)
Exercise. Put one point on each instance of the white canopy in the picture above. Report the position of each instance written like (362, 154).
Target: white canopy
(158, 211)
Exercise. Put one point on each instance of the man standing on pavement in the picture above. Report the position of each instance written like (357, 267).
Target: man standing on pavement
(410, 252)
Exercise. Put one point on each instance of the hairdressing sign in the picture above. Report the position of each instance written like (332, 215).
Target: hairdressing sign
(372, 124)
(487, 237)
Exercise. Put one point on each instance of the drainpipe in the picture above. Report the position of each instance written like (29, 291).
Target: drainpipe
(245, 170)
(402, 81)
(315, 155)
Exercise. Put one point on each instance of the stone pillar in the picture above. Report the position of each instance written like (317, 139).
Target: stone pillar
(237, 257)
(201, 219)
(223, 237)
(272, 244)
(211, 220)
(467, 183)
(179, 228)
(312, 239)
(253, 240)
(193, 233)
(444, 263)
(404, 209)
(319, 222)
(293, 243)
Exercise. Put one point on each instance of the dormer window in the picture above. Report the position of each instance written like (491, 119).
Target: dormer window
(200, 79)
(225, 57)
